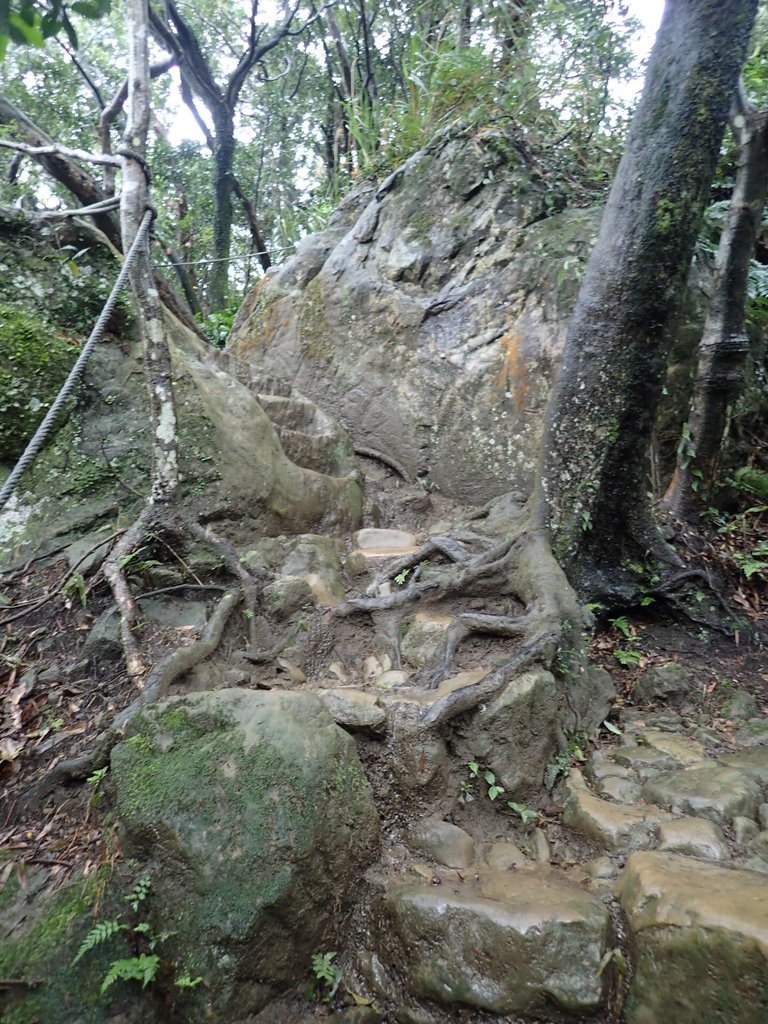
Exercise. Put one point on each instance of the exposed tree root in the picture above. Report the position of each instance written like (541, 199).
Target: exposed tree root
(158, 682)
(523, 566)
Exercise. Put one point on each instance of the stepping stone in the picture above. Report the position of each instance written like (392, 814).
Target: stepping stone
(377, 543)
(753, 762)
(645, 762)
(699, 934)
(521, 942)
(612, 826)
(443, 842)
(685, 751)
(694, 837)
(715, 792)
(503, 856)
(354, 709)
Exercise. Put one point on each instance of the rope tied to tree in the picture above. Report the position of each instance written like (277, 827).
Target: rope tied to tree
(45, 428)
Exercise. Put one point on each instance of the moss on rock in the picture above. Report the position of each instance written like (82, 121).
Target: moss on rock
(34, 363)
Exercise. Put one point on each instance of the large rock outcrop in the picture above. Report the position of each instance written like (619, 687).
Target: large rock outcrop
(431, 313)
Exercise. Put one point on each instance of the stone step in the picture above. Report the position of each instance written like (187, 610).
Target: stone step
(375, 543)
(699, 936)
(509, 942)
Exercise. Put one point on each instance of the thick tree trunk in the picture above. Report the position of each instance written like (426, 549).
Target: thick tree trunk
(723, 347)
(592, 484)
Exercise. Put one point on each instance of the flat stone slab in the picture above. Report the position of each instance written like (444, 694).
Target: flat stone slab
(378, 543)
(612, 826)
(714, 791)
(526, 939)
(645, 762)
(699, 934)
(694, 837)
(685, 751)
(753, 762)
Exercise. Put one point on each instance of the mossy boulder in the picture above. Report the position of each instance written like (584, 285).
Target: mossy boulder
(251, 813)
(34, 363)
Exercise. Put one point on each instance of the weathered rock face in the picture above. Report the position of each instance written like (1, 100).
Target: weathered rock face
(413, 317)
(430, 314)
(254, 818)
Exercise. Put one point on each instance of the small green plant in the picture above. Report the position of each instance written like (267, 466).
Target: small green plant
(141, 968)
(494, 790)
(466, 792)
(186, 982)
(100, 933)
(327, 975)
(628, 656)
(402, 576)
(754, 562)
(586, 521)
(96, 778)
(525, 813)
(75, 588)
(557, 769)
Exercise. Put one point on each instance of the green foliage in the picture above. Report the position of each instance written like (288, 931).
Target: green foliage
(141, 968)
(96, 778)
(493, 791)
(31, 22)
(75, 588)
(752, 481)
(98, 935)
(525, 814)
(628, 656)
(34, 363)
(217, 325)
(144, 966)
(138, 893)
(327, 974)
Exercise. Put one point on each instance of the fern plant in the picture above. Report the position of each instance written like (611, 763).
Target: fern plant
(141, 968)
(98, 935)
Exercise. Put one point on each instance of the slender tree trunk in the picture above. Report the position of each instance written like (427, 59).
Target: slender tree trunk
(257, 239)
(592, 482)
(723, 347)
(224, 158)
(133, 205)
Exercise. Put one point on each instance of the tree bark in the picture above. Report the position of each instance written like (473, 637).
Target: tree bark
(591, 486)
(723, 348)
(134, 203)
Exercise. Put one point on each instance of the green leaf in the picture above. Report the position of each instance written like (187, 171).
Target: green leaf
(612, 728)
(23, 31)
(98, 935)
(141, 968)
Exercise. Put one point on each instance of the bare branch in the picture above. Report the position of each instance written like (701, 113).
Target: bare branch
(82, 211)
(53, 150)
